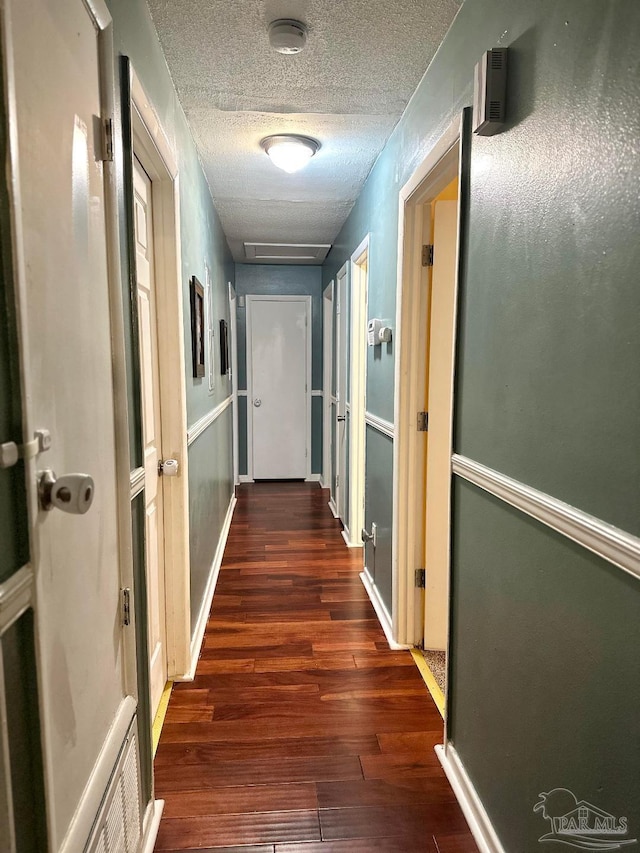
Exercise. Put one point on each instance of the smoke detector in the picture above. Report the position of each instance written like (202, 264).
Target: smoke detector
(287, 36)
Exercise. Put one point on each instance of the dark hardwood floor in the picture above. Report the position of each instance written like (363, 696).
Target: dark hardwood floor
(302, 732)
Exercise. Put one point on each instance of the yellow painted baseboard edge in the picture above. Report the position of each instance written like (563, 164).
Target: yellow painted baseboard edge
(161, 713)
(427, 676)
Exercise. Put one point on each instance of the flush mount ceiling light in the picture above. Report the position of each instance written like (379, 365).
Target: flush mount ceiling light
(290, 152)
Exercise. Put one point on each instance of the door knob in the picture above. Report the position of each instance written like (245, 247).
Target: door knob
(257, 402)
(168, 467)
(72, 493)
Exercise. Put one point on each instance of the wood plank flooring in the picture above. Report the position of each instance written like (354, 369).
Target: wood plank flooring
(302, 732)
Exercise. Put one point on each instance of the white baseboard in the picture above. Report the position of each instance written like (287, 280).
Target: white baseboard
(349, 542)
(381, 610)
(481, 827)
(333, 508)
(151, 825)
(314, 478)
(245, 478)
(322, 483)
(201, 624)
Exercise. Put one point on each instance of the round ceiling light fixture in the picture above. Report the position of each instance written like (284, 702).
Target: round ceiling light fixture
(287, 36)
(289, 151)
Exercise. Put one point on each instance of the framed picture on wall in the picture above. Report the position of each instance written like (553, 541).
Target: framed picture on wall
(197, 327)
(224, 348)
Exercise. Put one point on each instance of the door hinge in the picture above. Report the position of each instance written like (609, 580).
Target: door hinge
(427, 255)
(337, 480)
(126, 606)
(423, 421)
(107, 139)
(420, 578)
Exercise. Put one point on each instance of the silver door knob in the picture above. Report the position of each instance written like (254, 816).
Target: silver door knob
(257, 402)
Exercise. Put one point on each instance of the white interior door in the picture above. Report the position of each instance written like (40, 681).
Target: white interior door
(342, 341)
(151, 429)
(67, 375)
(327, 352)
(440, 396)
(279, 358)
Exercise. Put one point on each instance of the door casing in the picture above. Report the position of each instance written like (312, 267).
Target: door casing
(442, 164)
(359, 280)
(327, 368)
(153, 150)
(340, 407)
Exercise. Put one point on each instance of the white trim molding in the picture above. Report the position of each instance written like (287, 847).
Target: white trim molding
(609, 542)
(153, 149)
(381, 610)
(380, 425)
(481, 827)
(152, 825)
(16, 596)
(136, 482)
(205, 421)
(201, 624)
(431, 176)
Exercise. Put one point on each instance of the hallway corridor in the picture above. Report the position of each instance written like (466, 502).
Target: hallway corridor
(302, 731)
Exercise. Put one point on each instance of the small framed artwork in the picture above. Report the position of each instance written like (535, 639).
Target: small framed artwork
(224, 348)
(197, 327)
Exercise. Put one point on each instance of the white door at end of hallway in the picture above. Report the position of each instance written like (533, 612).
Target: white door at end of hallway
(151, 429)
(279, 411)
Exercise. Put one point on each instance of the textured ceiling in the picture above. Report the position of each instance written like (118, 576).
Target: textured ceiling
(347, 89)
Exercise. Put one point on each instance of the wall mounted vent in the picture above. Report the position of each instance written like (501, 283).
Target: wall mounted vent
(287, 253)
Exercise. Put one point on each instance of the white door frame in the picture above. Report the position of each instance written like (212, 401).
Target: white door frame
(327, 370)
(359, 278)
(233, 319)
(153, 150)
(439, 168)
(250, 299)
(340, 400)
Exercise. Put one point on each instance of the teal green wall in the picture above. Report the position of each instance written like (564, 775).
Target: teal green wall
(544, 679)
(545, 669)
(282, 280)
(202, 242)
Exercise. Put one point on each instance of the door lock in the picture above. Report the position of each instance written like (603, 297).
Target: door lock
(341, 418)
(257, 402)
(72, 493)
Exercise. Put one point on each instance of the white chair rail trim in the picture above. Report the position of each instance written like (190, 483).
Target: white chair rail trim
(206, 420)
(379, 424)
(609, 542)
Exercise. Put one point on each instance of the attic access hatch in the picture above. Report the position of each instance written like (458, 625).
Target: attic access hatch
(287, 253)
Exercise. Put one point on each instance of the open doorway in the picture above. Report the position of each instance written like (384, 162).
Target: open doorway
(163, 592)
(428, 275)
